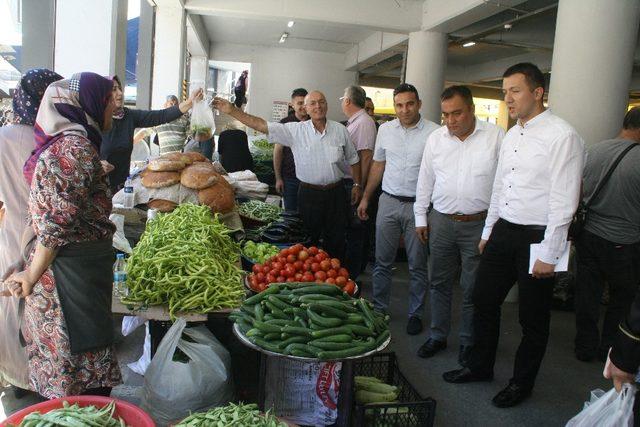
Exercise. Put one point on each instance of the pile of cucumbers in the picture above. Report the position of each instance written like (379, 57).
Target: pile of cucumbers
(311, 320)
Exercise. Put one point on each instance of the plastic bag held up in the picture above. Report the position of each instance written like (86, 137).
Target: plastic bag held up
(613, 409)
(174, 389)
(202, 122)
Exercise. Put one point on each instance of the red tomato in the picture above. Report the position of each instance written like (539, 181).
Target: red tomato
(332, 274)
(281, 279)
(331, 280)
(344, 273)
(341, 281)
(298, 265)
(319, 281)
(350, 287)
(321, 275)
(290, 279)
(303, 255)
(266, 269)
(291, 259)
(335, 263)
(283, 273)
(271, 278)
(297, 248)
(325, 265)
(315, 267)
(262, 287)
(282, 260)
(260, 276)
(283, 253)
(313, 250)
(291, 270)
(274, 272)
(256, 268)
(277, 265)
(298, 277)
(308, 277)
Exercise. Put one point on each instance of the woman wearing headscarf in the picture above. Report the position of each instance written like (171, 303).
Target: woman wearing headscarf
(117, 143)
(16, 144)
(67, 321)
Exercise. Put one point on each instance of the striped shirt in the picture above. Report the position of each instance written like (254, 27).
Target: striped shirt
(172, 136)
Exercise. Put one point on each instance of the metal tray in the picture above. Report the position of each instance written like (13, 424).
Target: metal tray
(247, 286)
(244, 340)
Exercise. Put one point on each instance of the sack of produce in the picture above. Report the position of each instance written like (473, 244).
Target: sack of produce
(202, 122)
(174, 389)
(305, 393)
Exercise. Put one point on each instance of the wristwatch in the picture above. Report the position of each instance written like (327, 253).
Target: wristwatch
(355, 184)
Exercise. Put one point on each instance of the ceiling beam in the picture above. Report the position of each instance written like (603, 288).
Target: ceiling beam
(448, 16)
(396, 16)
(376, 48)
(385, 67)
(197, 38)
(493, 70)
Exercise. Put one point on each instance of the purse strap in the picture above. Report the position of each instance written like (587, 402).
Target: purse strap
(605, 178)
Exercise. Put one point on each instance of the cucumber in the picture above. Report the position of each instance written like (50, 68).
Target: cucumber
(319, 297)
(364, 397)
(341, 330)
(311, 350)
(296, 330)
(355, 319)
(327, 322)
(258, 312)
(272, 336)
(266, 327)
(277, 302)
(299, 339)
(319, 307)
(328, 345)
(257, 298)
(382, 338)
(341, 354)
(361, 330)
(276, 312)
(318, 289)
(265, 344)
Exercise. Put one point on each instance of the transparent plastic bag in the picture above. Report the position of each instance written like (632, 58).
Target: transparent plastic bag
(173, 389)
(612, 409)
(202, 122)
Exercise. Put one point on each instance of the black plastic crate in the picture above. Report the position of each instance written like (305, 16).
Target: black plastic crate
(412, 410)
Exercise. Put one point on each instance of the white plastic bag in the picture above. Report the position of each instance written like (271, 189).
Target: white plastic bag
(174, 389)
(202, 123)
(303, 392)
(613, 409)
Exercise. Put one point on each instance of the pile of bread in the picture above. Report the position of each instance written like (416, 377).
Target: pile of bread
(193, 171)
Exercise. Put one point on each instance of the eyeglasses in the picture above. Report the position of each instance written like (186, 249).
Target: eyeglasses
(319, 102)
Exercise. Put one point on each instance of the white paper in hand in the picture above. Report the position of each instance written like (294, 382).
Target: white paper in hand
(561, 265)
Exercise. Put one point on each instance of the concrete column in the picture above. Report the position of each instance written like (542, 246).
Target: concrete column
(169, 51)
(144, 68)
(426, 63)
(38, 34)
(592, 64)
(91, 36)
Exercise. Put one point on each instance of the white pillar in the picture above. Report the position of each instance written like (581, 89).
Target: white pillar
(91, 36)
(169, 51)
(38, 34)
(145, 55)
(592, 63)
(426, 63)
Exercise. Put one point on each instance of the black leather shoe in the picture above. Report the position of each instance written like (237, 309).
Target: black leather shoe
(464, 375)
(431, 347)
(414, 326)
(464, 355)
(511, 396)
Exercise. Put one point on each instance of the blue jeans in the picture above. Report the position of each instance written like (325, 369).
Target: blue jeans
(290, 193)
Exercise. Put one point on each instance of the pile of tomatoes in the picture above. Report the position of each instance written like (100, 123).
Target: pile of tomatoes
(301, 264)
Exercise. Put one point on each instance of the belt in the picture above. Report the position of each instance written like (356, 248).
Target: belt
(404, 199)
(468, 218)
(321, 187)
(523, 226)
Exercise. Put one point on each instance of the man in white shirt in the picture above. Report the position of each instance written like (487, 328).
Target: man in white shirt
(362, 129)
(396, 162)
(320, 147)
(535, 195)
(456, 176)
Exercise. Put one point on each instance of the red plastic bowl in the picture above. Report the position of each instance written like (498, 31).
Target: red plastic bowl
(131, 414)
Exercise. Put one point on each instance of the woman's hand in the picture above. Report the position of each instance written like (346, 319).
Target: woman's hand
(21, 284)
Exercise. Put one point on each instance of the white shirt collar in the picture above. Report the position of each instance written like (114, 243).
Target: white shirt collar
(540, 117)
(419, 125)
(478, 126)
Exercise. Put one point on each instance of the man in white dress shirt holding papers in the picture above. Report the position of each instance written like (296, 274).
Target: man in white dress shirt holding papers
(535, 195)
(456, 176)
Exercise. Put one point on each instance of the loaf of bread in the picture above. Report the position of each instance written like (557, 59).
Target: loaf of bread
(166, 165)
(198, 177)
(219, 197)
(196, 157)
(152, 179)
(162, 205)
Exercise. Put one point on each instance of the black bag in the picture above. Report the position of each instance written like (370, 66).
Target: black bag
(580, 217)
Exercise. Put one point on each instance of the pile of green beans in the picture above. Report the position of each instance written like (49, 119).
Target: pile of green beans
(232, 415)
(260, 210)
(74, 415)
(187, 260)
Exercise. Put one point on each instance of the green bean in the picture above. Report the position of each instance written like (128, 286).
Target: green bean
(187, 260)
